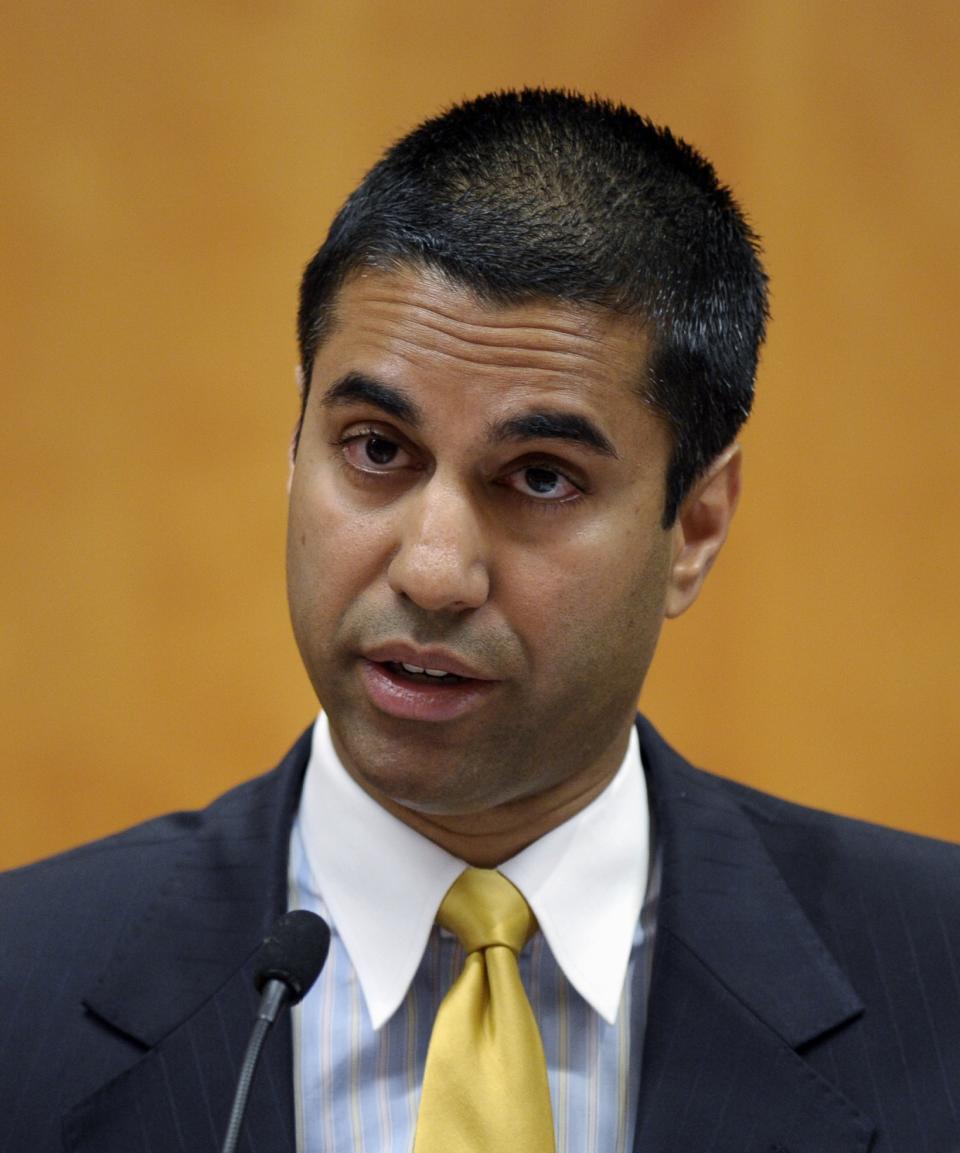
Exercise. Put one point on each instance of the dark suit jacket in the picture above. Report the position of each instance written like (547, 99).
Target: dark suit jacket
(805, 994)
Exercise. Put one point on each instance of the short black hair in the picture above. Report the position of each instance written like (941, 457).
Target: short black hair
(542, 193)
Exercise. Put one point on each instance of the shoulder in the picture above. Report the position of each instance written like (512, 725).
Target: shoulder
(799, 830)
(77, 902)
(792, 829)
(897, 886)
(105, 947)
(840, 869)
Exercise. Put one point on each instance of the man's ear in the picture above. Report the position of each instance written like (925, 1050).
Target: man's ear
(701, 528)
(295, 436)
(292, 454)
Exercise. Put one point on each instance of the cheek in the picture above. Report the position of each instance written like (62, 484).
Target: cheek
(614, 562)
(601, 594)
(325, 533)
(549, 595)
(334, 550)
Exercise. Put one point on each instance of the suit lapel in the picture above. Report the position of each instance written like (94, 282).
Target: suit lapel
(741, 981)
(179, 984)
(178, 1095)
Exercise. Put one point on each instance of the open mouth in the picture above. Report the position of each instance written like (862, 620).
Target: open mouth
(422, 692)
(424, 676)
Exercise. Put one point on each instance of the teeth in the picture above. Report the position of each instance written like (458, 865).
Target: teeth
(417, 669)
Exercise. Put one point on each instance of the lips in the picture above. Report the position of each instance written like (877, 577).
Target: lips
(422, 684)
(432, 660)
(416, 671)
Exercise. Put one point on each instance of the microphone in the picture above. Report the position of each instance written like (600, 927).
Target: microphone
(288, 963)
(290, 959)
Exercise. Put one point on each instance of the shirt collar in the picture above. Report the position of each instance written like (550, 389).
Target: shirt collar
(382, 882)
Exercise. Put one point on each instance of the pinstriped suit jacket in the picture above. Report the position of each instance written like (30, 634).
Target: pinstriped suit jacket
(805, 994)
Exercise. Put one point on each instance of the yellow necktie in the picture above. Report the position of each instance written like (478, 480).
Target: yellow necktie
(485, 1086)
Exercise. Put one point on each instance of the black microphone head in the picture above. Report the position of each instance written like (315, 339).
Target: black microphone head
(294, 953)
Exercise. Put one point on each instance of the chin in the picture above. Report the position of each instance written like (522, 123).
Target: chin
(420, 791)
(429, 771)
(412, 783)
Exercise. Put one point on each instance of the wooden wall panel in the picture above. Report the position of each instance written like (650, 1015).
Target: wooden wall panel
(168, 171)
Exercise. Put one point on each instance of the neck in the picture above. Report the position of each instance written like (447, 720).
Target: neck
(488, 837)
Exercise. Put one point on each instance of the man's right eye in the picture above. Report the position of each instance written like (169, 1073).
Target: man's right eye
(379, 450)
(371, 452)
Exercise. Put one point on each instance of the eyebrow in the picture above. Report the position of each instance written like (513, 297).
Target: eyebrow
(549, 424)
(554, 425)
(356, 388)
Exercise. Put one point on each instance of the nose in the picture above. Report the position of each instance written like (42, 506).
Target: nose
(440, 562)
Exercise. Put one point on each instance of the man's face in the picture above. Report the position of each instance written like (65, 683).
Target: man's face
(477, 492)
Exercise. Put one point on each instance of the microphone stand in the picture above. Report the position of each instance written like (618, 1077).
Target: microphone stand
(275, 993)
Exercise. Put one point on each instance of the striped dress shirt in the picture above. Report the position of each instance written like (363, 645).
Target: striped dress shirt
(361, 1035)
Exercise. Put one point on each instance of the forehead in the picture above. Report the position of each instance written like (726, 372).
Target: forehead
(415, 325)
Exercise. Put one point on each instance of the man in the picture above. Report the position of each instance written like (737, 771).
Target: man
(527, 345)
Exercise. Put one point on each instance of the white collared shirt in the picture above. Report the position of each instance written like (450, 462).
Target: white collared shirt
(362, 1033)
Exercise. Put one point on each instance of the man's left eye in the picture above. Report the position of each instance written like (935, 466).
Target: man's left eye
(542, 483)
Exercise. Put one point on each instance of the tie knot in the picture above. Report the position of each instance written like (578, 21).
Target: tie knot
(483, 908)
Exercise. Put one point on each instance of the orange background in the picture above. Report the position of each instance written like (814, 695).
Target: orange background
(168, 170)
